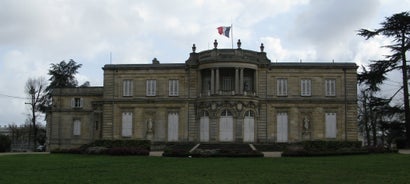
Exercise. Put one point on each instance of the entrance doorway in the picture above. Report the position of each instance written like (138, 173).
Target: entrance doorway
(226, 127)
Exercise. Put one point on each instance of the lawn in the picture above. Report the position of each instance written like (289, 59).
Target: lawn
(65, 168)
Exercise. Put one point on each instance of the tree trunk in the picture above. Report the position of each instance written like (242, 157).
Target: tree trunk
(405, 89)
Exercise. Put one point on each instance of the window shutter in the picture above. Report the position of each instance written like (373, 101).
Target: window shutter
(72, 102)
(81, 102)
(127, 124)
(77, 127)
(330, 121)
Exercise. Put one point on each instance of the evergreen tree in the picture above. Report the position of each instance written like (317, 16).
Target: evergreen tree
(397, 27)
(62, 75)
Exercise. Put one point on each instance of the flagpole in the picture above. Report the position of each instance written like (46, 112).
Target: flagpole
(232, 35)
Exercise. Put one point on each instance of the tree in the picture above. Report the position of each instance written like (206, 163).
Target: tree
(397, 27)
(35, 89)
(62, 75)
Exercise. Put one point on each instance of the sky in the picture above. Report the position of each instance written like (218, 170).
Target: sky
(36, 33)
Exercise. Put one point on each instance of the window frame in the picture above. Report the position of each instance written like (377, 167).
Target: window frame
(173, 87)
(281, 87)
(127, 88)
(306, 87)
(151, 87)
(77, 102)
(330, 87)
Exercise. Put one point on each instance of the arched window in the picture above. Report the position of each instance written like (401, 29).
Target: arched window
(226, 113)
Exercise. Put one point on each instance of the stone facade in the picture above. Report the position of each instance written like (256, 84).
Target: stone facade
(217, 95)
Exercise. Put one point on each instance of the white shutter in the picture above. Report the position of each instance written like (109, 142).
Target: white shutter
(305, 87)
(330, 87)
(248, 129)
(151, 87)
(330, 123)
(72, 102)
(282, 127)
(127, 124)
(226, 127)
(124, 88)
(173, 87)
(77, 127)
(81, 102)
(204, 129)
(173, 126)
(282, 87)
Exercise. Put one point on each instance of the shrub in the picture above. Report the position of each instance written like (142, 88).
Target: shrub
(324, 148)
(127, 151)
(279, 146)
(111, 147)
(220, 150)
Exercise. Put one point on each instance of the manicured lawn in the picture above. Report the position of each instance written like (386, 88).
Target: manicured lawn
(65, 168)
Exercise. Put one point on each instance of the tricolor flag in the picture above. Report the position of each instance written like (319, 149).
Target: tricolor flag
(224, 30)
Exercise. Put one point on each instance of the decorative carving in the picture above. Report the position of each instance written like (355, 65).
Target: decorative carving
(215, 44)
(262, 47)
(193, 48)
(149, 125)
(306, 123)
(155, 61)
(239, 43)
(150, 133)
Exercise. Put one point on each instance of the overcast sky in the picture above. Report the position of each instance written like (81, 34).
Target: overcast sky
(35, 33)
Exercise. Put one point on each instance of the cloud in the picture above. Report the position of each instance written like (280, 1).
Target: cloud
(34, 34)
(328, 25)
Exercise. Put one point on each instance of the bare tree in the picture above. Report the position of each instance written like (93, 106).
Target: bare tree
(35, 89)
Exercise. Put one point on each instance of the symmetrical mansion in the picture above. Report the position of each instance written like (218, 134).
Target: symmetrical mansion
(217, 95)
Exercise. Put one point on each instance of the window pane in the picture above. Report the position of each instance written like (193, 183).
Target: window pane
(127, 88)
(173, 87)
(281, 87)
(151, 88)
(330, 87)
(305, 87)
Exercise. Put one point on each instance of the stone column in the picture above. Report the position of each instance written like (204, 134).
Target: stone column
(212, 81)
(237, 81)
(217, 81)
(256, 83)
(241, 81)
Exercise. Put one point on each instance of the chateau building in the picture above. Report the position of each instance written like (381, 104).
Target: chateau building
(217, 95)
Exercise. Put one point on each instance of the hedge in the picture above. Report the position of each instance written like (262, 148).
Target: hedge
(111, 147)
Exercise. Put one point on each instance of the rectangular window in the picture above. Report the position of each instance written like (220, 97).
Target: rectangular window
(305, 87)
(282, 87)
(127, 88)
(77, 127)
(126, 124)
(330, 123)
(77, 102)
(151, 87)
(173, 87)
(330, 87)
(227, 84)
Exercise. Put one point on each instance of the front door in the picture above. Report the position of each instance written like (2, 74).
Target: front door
(226, 127)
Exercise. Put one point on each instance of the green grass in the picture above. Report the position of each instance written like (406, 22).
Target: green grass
(65, 168)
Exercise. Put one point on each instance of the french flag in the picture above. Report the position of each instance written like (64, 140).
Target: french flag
(224, 30)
